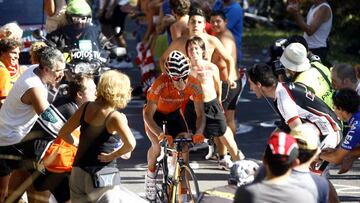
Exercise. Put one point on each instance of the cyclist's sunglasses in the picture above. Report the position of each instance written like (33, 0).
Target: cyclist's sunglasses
(177, 79)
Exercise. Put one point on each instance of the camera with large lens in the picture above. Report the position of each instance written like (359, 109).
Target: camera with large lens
(278, 68)
(276, 51)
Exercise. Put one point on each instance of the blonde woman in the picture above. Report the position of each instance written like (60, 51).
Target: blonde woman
(101, 124)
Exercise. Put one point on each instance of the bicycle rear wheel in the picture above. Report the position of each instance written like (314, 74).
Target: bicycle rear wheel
(187, 189)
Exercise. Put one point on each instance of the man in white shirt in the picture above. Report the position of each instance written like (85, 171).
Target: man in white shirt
(317, 26)
(26, 102)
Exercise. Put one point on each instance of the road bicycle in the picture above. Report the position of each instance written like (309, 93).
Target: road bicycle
(178, 185)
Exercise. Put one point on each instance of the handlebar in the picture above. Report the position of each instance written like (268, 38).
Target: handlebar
(183, 140)
(177, 141)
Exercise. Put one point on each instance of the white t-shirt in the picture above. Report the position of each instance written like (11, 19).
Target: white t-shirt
(318, 39)
(17, 118)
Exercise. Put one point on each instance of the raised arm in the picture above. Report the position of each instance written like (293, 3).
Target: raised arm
(321, 16)
(49, 7)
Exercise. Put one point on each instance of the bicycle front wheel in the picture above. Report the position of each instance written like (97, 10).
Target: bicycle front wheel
(187, 187)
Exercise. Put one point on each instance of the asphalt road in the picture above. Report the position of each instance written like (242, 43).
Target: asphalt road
(255, 122)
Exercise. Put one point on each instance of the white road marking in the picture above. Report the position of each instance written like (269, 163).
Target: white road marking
(243, 128)
(268, 124)
(347, 189)
(137, 134)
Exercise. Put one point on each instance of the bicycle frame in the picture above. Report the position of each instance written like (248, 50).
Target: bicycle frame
(162, 193)
(176, 181)
(172, 186)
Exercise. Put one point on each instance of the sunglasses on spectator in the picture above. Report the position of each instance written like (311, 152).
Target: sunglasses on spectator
(177, 79)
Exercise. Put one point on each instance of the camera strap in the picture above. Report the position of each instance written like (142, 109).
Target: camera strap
(323, 75)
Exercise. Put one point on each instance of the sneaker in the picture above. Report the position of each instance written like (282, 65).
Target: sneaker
(150, 191)
(225, 163)
(211, 152)
(214, 156)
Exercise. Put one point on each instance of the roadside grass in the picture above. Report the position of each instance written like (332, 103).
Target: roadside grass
(261, 38)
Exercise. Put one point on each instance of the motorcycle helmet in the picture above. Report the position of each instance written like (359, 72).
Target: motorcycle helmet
(177, 66)
(78, 13)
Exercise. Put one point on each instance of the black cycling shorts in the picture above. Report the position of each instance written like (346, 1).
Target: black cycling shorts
(215, 119)
(230, 96)
(175, 122)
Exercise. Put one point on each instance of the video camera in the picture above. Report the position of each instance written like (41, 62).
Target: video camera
(277, 50)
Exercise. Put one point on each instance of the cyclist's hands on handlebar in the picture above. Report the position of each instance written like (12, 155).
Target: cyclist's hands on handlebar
(169, 138)
(198, 138)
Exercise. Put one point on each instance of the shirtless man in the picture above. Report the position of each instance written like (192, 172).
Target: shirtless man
(180, 9)
(229, 95)
(208, 75)
(213, 44)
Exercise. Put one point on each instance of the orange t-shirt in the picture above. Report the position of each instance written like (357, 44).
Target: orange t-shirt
(168, 98)
(5, 84)
(15, 72)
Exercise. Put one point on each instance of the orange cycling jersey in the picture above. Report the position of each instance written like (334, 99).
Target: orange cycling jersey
(168, 98)
(5, 85)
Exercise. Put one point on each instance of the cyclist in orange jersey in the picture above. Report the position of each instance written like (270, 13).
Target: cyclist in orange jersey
(165, 98)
